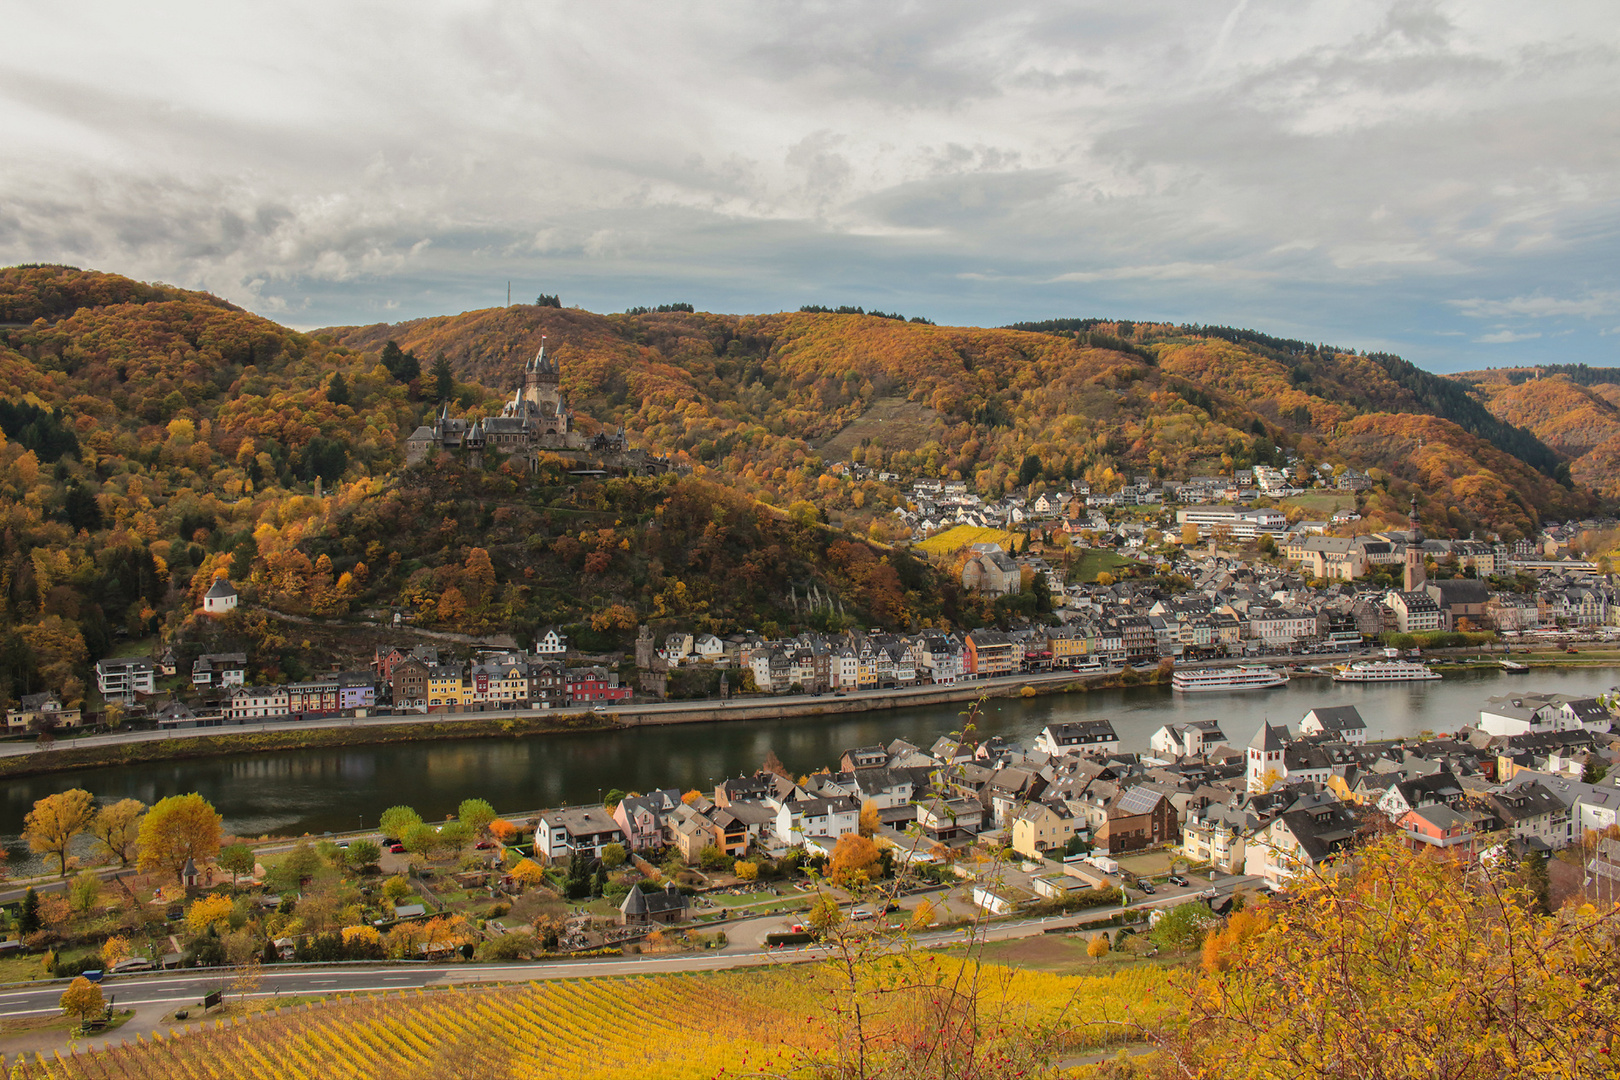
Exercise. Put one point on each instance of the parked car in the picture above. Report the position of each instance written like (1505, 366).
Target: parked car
(1147, 887)
(1176, 879)
(396, 848)
(861, 913)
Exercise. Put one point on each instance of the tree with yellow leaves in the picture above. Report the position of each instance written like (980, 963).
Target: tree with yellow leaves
(55, 821)
(208, 911)
(528, 873)
(870, 822)
(178, 828)
(1097, 947)
(114, 949)
(1396, 964)
(83, 999)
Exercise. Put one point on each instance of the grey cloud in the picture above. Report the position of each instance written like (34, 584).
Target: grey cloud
(1336, 171)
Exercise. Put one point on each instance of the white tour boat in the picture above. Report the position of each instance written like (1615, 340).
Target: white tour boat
(1385, 671)
(1196, 680)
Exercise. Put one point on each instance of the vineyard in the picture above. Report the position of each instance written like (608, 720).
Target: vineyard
(673, 1027)
(960, 536)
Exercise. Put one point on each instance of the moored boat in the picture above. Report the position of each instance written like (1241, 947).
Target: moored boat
(1198, 680)
(1380, 671)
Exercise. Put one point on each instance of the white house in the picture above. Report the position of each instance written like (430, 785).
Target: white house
(1186, 740)
(551, 642)
(1082, 736)
(586, 829)
(121, 680)
(1342, 722)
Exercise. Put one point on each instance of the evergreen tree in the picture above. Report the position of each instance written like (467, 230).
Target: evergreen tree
(337, 391)
(444, 379)
(28, 917)
(600, 882)
(403, 366)
(1030, 471)
(81, 508)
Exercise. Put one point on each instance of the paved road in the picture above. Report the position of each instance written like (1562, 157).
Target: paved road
(176, 989)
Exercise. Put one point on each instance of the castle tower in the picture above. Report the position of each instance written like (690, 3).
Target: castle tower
(542, 389)
(1413, 526)
(1265, 759)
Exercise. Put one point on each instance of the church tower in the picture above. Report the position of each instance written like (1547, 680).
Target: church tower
(1415, 573)
(1265, 759)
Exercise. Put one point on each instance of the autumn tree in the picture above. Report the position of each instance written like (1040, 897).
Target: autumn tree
(83, 999)
(853, 859)
(1400, 965)
(117, 827)
(208, 911)
(870, 822)
(397, 888)
(114, 950)
(528, 872)
(55, 821)
(1097, 947)
(178, 828)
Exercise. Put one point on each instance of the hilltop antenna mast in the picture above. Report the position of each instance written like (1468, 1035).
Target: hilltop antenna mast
(508, 292)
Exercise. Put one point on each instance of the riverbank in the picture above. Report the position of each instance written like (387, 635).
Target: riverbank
(312, 735)
(144, 747)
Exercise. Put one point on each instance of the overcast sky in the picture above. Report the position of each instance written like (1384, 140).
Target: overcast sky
(1435, 179)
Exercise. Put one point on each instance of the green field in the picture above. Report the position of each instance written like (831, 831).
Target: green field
(1090, 562)
(954, 539)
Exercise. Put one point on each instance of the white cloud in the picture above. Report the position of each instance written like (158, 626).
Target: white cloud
(1541, 307)
(1505, 337)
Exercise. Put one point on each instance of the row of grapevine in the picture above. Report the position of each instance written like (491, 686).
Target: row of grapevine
(676, 1027)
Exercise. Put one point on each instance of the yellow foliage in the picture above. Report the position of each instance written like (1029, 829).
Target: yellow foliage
(207, 911)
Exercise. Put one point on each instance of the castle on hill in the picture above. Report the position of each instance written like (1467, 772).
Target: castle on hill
(537, 420)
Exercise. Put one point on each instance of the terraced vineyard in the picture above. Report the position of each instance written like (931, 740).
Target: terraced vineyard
(673, 1027)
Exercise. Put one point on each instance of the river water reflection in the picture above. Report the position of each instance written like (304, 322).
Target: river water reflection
(299, 791)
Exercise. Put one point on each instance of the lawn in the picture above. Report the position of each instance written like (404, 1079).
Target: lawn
(1089, 562)
(960, 536)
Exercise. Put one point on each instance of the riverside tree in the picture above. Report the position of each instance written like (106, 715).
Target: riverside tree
(396, 821)
(117, 829)
(178, 828)
(55, 821)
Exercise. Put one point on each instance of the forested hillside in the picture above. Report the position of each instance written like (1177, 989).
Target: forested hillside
(1573, 409)
(154, 438)
(757, 399)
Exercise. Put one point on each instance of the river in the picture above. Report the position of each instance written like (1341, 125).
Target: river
(298, 791)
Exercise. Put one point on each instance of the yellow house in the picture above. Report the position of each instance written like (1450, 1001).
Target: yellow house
(445, 686)
(1039, 830)
(1066, 645)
